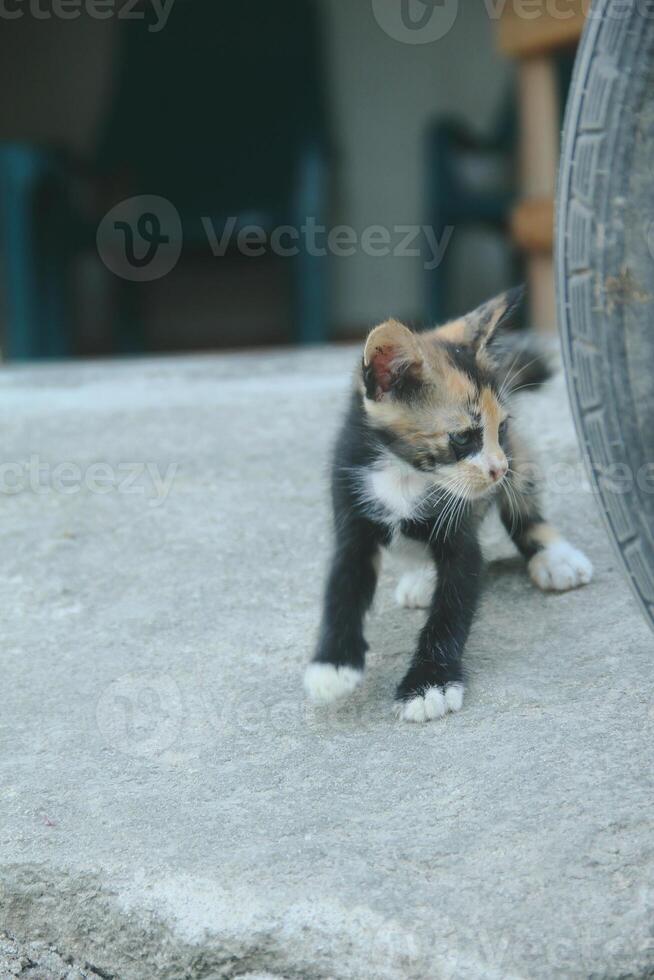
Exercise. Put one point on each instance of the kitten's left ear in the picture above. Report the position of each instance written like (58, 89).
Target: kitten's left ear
(484, 322)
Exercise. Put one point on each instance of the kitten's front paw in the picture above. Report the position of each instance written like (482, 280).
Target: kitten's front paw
(325, 683)
(416, 588)
(559, 567)
(434, 702)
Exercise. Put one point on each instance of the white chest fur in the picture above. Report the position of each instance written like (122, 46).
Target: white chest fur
(397, 487)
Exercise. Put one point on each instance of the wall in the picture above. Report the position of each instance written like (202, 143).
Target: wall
(384, 94)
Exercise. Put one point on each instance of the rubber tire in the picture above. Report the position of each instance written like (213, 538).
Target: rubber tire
(605, 273)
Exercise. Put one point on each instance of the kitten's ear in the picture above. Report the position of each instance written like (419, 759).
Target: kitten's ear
(392, 360)
(484, 322)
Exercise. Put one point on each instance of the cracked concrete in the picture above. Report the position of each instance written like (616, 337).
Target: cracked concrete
(170, 806)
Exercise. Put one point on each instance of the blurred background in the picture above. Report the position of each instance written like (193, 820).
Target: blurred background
(206, 174)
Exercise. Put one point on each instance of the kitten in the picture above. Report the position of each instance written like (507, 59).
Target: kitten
(426, 447)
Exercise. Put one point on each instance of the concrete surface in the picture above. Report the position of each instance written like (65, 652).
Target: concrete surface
(170, 806)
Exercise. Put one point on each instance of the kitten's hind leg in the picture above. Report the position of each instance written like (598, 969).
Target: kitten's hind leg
(418, 581)
(337, 668)
(554, 565)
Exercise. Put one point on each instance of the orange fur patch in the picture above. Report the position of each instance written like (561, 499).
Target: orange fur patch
(492, 415)
(454, 332)
(543, 534)
(459, 387)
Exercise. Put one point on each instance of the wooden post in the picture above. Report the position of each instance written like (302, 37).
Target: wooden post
(539, 151)
(533, 37)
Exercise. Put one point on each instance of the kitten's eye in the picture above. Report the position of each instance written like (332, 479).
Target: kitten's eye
(460, 439)
(464, 442)
(503, 428)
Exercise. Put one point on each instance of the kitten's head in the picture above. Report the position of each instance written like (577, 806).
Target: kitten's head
(435, 398)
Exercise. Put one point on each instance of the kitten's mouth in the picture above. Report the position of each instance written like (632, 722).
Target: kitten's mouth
(469, 488)
(486, 491)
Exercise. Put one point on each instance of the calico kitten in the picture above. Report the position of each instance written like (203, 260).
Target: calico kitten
(427, 446)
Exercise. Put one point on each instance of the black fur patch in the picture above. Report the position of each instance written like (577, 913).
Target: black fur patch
(463, 359)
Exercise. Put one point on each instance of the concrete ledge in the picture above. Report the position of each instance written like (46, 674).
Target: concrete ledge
(171, 806)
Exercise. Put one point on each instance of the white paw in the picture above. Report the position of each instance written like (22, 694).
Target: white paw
(434, 703)
(559, 566)
(325, 683)
(416, 588)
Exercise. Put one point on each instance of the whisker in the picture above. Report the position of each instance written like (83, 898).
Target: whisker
(460, 511)
(457, 498)
(531, 384)
(510, 497)
(518, 480)
(443, 516)
(508, 375)
(506, 385)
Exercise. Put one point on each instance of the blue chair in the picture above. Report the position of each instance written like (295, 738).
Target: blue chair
(472, 181)
(34, 249)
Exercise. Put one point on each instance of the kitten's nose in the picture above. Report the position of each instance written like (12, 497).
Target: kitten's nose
(497, 468)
